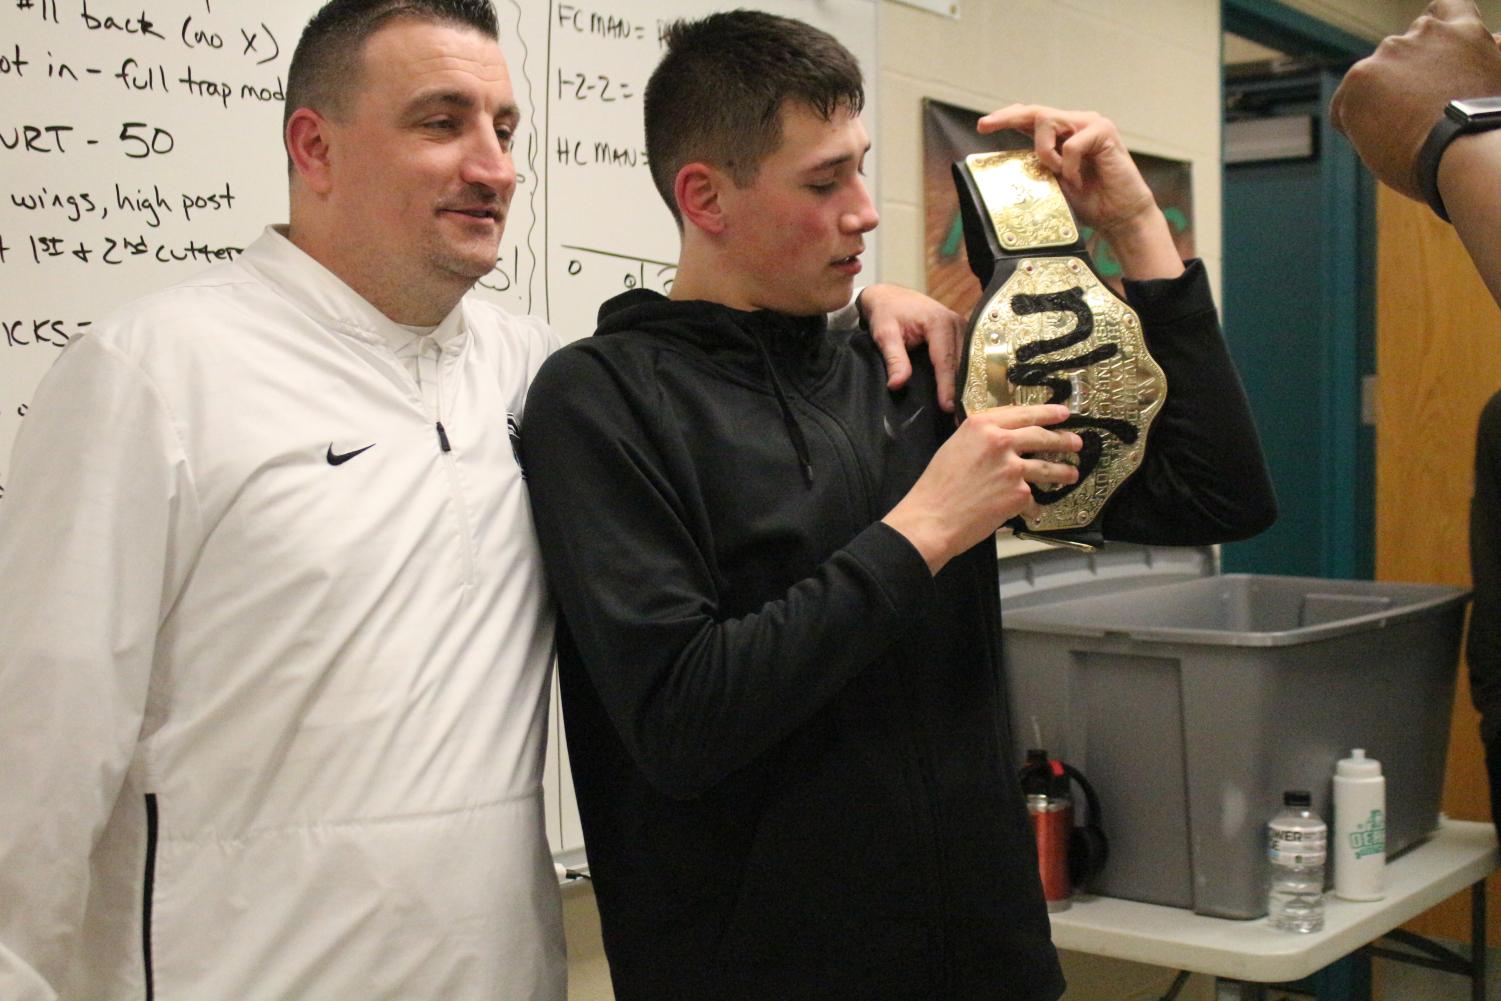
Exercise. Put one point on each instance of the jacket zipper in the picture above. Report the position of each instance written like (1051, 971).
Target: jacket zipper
(922, 769)
(148, 888)
(445, 449)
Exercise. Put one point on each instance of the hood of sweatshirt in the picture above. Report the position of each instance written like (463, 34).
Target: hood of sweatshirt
(735, 339)
(767, 349)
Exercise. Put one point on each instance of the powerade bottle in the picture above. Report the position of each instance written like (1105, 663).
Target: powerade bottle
(1297, 841)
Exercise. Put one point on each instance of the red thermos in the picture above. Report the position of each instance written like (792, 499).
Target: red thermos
(1052, 814)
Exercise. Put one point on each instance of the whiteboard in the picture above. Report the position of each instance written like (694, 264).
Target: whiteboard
(140, 142)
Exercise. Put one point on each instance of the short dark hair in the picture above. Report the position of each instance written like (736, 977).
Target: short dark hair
(717, 94)
(325, 68)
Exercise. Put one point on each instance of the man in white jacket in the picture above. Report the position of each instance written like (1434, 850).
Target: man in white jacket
(274, 638)
(274, 671)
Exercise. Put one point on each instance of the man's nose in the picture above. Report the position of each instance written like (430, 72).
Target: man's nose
(489, 164)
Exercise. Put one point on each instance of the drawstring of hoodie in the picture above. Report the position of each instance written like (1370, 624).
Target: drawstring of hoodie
(794, 431)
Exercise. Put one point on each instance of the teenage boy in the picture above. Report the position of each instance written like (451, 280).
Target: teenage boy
(779, 636)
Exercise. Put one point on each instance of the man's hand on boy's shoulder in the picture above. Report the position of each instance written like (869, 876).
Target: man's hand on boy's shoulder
(899, 319)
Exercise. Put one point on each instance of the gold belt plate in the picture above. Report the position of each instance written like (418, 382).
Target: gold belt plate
(1023, 199)
(1054, 333)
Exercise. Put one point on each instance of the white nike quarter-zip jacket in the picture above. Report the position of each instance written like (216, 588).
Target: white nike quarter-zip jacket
(274, 658)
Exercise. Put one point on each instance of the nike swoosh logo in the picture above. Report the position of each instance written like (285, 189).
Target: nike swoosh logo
(892, 432)
(339, 458)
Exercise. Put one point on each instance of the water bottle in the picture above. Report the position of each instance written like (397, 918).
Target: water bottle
(1359, 848)
(1296, 845)
(1052, 815)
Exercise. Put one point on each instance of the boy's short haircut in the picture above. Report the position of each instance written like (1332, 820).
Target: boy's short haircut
(716, 97)
(325, 71)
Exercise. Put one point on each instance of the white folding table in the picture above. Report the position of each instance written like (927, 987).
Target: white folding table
(1246, 956)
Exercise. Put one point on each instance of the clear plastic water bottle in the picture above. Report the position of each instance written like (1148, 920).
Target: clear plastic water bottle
(1297, 843)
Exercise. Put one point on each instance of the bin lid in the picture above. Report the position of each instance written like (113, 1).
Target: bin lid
(1056, 574)
(1245, 610)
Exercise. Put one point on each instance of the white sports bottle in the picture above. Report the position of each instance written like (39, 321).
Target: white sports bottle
(1358, 848)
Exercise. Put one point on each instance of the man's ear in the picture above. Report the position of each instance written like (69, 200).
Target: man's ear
(307, 138)
(698, 189)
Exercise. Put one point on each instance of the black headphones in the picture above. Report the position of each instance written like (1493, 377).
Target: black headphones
(1088, 848)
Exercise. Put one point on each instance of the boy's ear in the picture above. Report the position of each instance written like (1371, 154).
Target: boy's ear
(698, 188)
(307, 140)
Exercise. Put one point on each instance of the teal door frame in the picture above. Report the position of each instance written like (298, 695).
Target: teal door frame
(1345, 450)
(1292, 31)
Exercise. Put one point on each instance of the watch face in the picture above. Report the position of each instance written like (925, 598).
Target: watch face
(1475, 110)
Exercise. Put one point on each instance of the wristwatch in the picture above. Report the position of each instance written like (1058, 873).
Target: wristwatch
(1460, 117)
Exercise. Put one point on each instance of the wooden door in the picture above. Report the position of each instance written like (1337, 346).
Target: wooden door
(1438, 359)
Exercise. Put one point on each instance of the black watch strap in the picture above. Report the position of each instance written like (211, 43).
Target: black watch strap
(1440, 136)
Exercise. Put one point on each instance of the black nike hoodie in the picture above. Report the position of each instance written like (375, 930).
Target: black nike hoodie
(789, 742)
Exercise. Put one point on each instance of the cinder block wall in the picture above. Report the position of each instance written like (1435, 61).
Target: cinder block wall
(1152, 66)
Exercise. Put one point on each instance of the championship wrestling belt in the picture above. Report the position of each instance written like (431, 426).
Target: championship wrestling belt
(1048, 330)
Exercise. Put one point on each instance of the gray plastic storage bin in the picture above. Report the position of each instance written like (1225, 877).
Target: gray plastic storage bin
(1191, 701)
